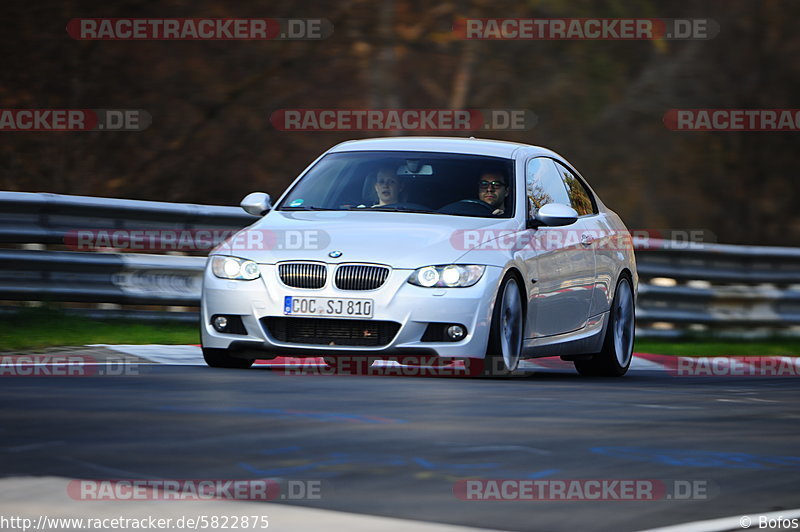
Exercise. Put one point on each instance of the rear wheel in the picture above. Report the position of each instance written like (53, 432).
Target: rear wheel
(220, 358)
(617, 353)
(505, 337)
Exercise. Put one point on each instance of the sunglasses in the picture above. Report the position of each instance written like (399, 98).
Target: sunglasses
(495, 184)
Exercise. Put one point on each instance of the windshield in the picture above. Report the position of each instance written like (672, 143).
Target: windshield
(435, 183)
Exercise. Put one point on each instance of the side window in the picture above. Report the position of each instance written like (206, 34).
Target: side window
(543, 184)
(579, 197)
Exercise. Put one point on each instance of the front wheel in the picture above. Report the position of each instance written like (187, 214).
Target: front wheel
(505, 338)
(617, 353)
(219, 358)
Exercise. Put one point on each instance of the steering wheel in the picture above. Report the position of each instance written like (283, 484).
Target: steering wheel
(478, 202)
(468, 207)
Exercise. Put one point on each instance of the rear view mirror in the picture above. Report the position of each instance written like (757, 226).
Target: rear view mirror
(256, 203)
(412, 167)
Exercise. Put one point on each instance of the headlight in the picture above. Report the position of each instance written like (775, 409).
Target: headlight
(234, 268)
(450, 276)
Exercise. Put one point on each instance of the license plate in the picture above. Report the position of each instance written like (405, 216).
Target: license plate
(327, 306)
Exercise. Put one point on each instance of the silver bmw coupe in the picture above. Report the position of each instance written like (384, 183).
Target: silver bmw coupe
(447, 250)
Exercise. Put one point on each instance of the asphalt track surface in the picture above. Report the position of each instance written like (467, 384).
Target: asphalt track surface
(395, 445)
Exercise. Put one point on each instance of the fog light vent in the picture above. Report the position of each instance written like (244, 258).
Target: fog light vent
(228, 324)
(444, 332)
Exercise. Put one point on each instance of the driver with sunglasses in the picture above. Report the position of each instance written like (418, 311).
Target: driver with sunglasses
(492, 189)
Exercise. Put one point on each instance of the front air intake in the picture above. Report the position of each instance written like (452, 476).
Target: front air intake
(302, 274)
(360, 277)
(326, 331)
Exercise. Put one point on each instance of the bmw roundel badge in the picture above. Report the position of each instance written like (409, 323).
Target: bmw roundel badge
(335, 254)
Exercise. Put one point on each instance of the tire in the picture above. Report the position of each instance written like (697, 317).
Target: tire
(617, 352)
(505, 337)
(219, 358)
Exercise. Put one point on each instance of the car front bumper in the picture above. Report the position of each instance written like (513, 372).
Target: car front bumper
(412, 307)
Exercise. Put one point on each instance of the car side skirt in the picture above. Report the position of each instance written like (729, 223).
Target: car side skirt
(586, 340)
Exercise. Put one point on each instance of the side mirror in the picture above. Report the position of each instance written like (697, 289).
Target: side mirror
(555, 215)
(256, 203)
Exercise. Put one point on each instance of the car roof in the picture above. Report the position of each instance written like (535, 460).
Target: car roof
(471, 145)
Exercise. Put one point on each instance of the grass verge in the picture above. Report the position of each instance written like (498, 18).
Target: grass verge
(706, 347)
(37, 328)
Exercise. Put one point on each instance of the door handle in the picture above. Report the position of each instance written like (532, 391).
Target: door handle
(586, 240)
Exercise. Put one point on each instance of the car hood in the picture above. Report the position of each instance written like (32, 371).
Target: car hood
(401, 240)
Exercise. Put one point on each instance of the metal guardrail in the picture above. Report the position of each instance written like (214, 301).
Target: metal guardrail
(42, 218)
(131, 279)
(684, 288)
(113, 280)
(736, 290)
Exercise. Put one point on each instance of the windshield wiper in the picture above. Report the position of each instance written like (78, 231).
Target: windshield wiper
(403, 209)
(306, 208)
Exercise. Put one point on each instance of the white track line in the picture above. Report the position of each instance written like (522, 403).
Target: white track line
(642, 364)
(723, 524)
(176, 355)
